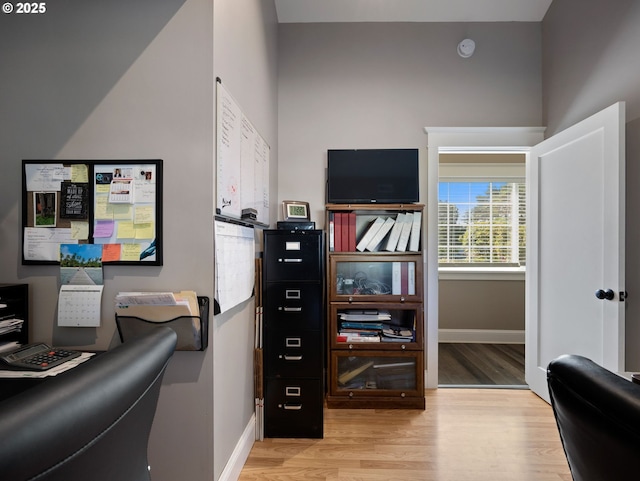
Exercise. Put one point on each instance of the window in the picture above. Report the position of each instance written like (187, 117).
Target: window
(481, 222)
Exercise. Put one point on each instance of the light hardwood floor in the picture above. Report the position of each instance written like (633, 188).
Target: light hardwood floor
(463, 435)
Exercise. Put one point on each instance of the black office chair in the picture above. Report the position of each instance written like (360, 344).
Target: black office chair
(90, 423)
(598, 416)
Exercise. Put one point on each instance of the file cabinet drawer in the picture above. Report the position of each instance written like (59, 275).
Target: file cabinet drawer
(293, 408)
(293, 256)
(293, 305)
(293, 354)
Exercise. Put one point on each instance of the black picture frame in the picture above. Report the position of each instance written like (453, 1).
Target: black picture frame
(123, 195)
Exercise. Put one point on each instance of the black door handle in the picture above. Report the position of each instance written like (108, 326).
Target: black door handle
(608, 294)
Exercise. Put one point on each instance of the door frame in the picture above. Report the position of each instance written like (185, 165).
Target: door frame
(441, 139)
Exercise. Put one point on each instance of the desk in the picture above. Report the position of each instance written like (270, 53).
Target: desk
(14, 381)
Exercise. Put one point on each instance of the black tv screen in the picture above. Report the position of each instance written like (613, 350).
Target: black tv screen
(385, 176)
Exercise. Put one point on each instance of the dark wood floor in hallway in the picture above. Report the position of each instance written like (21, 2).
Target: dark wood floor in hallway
(477, 364)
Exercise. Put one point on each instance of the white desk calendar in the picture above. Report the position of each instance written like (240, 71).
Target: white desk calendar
(79, 306)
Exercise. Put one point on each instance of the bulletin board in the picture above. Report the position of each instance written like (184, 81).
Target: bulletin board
(115, 203)
(242, 172)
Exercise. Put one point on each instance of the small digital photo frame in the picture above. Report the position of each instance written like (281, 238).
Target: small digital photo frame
(294, 210)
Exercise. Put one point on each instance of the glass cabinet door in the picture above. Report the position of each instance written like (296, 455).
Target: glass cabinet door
(377, 278)
(390, 326)
(377, 374)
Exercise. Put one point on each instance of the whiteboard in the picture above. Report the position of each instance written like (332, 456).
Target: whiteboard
(242, 161)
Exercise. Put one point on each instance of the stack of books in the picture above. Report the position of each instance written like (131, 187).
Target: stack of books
(374, 325)
(361, 325)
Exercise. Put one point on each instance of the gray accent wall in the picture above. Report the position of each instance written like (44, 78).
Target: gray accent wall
(589, 57)
(122, 79)
(245, 58)
(377, 85)
(481, 304)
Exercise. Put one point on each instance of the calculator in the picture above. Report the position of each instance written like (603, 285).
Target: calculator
(38, 356)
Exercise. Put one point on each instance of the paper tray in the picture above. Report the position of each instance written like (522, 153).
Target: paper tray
(193, 331)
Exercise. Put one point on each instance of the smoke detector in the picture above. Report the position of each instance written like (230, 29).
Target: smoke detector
(466, 48)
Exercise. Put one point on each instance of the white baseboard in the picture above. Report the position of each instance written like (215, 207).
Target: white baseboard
(241, 452)
(487, 336)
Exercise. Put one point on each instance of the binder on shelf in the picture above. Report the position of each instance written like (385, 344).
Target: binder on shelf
(414, 242)
(394, 236)
(403, 242)
(192, 330)
(368, 235)
(337, 229)
(352, 231)
(381, 234)
(345, 231)
(331, 232)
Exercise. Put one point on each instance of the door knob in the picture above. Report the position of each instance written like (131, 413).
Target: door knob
(608, 294)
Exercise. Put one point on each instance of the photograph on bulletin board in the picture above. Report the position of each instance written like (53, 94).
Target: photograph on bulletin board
(114, 203)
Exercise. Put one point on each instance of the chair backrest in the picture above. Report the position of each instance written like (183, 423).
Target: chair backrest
(598, 417)
(91, 422)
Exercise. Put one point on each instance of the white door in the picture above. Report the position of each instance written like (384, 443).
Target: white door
(575, 245)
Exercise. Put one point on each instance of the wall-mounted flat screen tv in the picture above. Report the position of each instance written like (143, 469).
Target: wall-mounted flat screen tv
(361, 176)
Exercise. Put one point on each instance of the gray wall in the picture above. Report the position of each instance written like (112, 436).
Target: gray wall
(481, 304)
(374, 85)
(589, 52)
(135, 79)
(377, 85)
(245, 58)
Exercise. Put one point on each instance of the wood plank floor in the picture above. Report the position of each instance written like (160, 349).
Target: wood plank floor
(463, 435)
(481, 364)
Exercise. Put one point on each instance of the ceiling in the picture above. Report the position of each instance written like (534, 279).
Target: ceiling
(304, 11)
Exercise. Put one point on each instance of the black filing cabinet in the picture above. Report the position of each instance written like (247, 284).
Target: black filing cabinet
(293, 330)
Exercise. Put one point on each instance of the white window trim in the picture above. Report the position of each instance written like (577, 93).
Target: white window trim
(481, 273)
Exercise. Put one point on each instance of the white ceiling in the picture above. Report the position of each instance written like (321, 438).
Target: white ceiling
(302, 11)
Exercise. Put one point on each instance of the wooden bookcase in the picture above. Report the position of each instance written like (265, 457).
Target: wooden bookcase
(375, 326)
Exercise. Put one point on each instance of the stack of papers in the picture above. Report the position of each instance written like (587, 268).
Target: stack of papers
(10, 325)
(157, 306)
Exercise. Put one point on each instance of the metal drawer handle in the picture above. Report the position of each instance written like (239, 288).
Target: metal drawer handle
(293, 309)
(293, 260)
(292, 407)
(292, 358)
(293, 391)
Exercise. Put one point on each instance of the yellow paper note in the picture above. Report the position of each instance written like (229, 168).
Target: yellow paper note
(103, 209)
(130, 252)
(102, 188)
(144, 231)
(79, 230)
(79, 173)
(121, 211)
(126, 230)
(143, 214)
